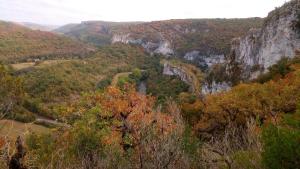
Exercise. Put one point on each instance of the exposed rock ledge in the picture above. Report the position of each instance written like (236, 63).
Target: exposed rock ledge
(161, 47)
(278, 38)
(184, 74)
(196, 86)
(204, 61)
(215, 87)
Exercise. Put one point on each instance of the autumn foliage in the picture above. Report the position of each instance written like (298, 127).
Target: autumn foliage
(18, 43)
(119, 121)
(128, 110)
(257, 101)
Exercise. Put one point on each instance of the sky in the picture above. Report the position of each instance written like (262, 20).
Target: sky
(60, 12)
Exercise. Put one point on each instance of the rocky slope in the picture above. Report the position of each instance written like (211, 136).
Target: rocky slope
(192, 39)
(96, 32)
(261, 48)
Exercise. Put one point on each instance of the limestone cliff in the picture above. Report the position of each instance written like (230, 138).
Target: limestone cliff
(160, 46)
(261, 48)
(203, 42)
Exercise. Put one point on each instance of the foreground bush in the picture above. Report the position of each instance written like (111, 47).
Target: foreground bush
(282, 143)
(116, 129)
(11, 92)
(245, 101)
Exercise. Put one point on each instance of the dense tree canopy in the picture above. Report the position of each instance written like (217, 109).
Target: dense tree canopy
(11, 91)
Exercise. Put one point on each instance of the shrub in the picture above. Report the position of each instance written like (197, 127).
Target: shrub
(246, 160)
(279, 70)
(21, 114)
(282, 144)
(104, 83)
(11, 91)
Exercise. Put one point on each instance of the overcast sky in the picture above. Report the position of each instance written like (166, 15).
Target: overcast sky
(59, 12)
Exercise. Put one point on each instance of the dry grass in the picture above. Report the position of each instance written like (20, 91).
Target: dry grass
(20, 66)
(12, 129)
(25, 65)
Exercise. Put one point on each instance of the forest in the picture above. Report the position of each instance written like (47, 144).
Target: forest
(75, 100)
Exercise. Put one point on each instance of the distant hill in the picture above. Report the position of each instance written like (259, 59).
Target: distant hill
(35, 26)
(96, 32)
(171, 37)
(18, 43)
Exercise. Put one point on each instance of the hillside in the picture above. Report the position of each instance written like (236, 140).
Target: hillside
(96, 32)
(208, 36)
(173, 94)
(52, 84)
(40, 27)
(193, 39)
(18, 43)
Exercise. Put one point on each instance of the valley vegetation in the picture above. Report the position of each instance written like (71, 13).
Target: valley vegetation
(65, 103)
(247, 127)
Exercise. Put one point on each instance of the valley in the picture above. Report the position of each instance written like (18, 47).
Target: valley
(181, 93)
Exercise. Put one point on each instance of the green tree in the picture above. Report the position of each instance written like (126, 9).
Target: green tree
(282, 143)
(11, 92)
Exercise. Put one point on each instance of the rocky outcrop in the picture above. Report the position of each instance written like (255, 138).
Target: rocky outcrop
(161, 47)
(215, 87)
(196, 86)
(175, 71)
(204, 61)
(279, 37)
(164, 48)
(121, 38)
(189, 75)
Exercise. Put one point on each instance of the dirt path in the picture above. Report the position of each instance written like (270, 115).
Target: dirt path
(12, 129)
(115, 79)
(41, 119)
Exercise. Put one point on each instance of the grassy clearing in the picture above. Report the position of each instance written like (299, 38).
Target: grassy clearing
(20, 66)
(12, 129)
(26, 65)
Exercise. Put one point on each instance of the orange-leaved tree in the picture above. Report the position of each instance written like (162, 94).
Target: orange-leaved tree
(119, 127)
(245, 101)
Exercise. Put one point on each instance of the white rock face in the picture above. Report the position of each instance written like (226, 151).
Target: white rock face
(164, 48)
(191, 55)
(214, 59)
(203, 60)
(278, 38)
(121, 38)
(215, 87)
